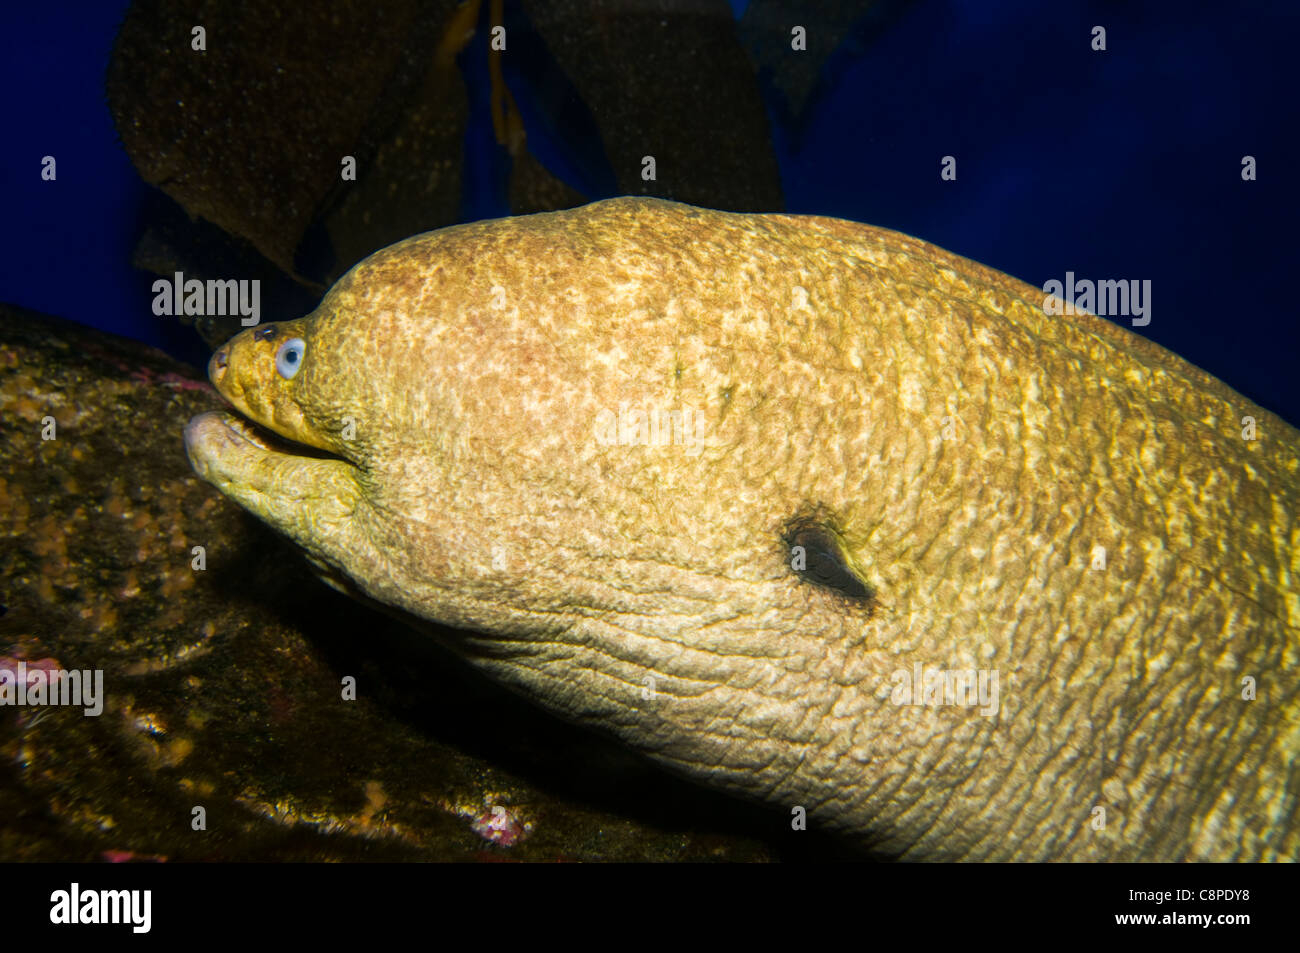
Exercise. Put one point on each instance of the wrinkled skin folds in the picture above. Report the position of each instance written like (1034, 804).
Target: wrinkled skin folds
(724, 485)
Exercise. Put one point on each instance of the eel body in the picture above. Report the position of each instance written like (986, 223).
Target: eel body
(810, 511)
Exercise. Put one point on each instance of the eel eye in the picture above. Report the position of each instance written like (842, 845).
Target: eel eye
(289, 357)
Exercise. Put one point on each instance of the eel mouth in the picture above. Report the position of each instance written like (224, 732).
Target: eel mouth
(239, 428)
(226, 448)
(308, 494)
(263, 437)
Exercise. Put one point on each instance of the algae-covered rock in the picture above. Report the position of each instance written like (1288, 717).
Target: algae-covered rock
(247, 124)
(223, 685)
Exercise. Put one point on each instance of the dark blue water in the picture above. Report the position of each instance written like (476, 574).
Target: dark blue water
(1121, 165)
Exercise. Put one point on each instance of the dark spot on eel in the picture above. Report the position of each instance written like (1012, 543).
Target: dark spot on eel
(822, 558)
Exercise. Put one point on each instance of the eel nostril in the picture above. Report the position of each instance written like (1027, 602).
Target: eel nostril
(217, 366)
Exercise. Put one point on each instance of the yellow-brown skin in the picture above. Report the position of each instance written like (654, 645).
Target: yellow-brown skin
(649, 589)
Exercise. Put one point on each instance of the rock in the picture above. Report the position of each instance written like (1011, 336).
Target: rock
(250, 132)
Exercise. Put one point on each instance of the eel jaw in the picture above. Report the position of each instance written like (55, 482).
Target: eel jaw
(306, 494)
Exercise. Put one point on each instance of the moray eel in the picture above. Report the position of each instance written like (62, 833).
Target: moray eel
(809, 511)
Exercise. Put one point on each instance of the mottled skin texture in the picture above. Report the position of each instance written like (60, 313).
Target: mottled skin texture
(648, 590)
